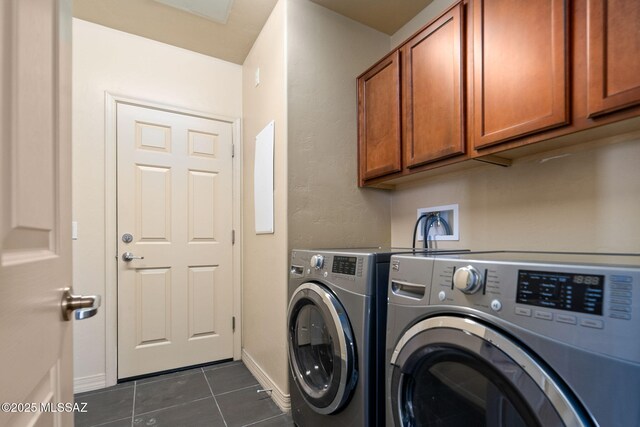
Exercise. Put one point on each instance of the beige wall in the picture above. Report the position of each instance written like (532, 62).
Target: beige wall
(586, 198)
(264, 289)
(309, 58)
(421, 19)
(326, 208)
(109, 60)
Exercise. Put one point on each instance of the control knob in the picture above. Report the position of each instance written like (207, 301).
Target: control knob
(467, 279)
(317, 261)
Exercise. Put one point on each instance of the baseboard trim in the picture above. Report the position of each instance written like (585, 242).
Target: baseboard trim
(279, 397)
(90, 383)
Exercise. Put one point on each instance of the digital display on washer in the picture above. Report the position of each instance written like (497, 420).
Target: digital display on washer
(344, 265)
(564, 291)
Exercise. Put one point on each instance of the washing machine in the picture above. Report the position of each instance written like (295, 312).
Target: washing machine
(336, 325)
(514, 339)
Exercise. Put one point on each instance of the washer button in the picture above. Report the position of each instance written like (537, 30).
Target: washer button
(622, 308)
(565, 318)
(621, 286)
(544, 315)
(621, 294)
(591, 323)
(496, 305)
(521, 311)
(442, 295)
(620, 301)
(624, 316)
(622, 279)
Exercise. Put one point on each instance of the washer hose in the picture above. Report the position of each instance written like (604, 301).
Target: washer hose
(426, 217)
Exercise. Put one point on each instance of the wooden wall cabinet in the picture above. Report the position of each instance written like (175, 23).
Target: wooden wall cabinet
(379, 136)
(411, 103)
(493, 80)
(520, 67)
(432, 91)
(613, 59)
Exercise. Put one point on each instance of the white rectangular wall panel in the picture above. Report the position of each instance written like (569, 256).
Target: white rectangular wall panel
(263, 180)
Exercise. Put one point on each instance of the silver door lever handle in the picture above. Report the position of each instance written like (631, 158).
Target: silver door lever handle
(128, 256)
(85, 306)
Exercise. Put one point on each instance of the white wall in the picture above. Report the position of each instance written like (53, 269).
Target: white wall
(265, 258)
(123, 64)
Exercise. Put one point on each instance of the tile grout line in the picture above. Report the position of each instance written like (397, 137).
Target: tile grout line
(177, 404)
(214, 398)
(133, 407)
(179, 374)
(202, 370)
(153, 380)
(222, 366)
(239, 389)
(173, 406)
(108, 422)
(266, 419)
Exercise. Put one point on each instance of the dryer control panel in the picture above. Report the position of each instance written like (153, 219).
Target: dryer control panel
(574, 292)
(595, 307)
(353, 272)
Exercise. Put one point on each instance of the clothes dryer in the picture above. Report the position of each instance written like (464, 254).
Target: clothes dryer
(514, 339)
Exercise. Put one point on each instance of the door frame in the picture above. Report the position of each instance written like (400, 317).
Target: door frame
(111, 243)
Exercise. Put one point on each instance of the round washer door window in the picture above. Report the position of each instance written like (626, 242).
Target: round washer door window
(321, 348)
(450, 371)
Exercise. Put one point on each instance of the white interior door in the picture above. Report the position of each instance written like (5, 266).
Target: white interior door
(35, 210)
(174, 187)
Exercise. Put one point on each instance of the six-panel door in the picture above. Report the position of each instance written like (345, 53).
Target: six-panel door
(175, 199)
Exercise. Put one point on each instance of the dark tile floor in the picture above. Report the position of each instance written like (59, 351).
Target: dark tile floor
(222, 395)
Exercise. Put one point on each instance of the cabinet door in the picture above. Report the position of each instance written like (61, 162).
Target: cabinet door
(520, 57)
(379, 119)
(613, 55)
(432, 91)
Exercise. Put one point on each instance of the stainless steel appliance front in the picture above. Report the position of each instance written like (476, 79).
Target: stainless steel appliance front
(510, 339)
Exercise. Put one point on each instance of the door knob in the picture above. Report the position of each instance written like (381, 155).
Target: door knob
(85, 306)
(128, 257)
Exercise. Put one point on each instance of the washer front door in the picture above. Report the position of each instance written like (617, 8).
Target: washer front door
(321, 348)
(452, 371)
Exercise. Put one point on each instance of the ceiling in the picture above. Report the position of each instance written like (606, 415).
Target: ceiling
(387, 16)
(233, 40)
